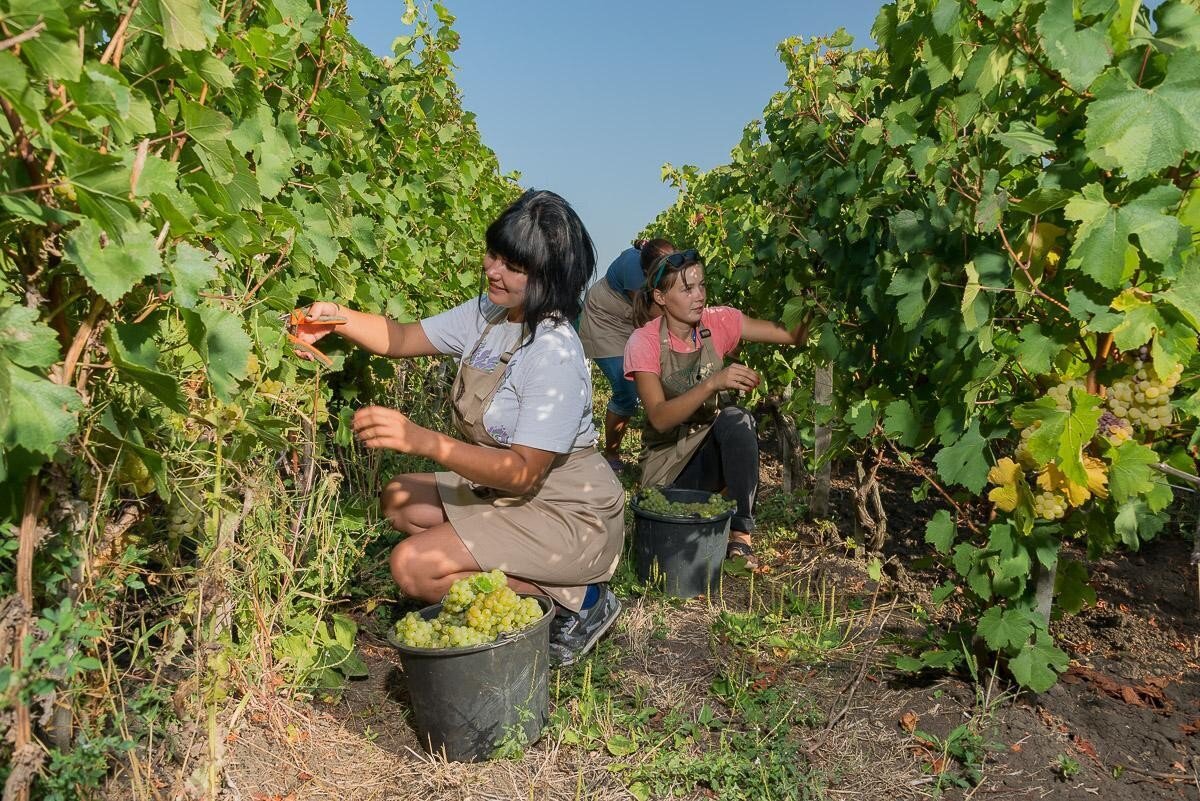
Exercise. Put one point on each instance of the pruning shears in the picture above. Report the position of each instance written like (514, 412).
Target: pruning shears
(296, 319)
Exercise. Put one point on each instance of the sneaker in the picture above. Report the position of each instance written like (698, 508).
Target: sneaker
(573, 634)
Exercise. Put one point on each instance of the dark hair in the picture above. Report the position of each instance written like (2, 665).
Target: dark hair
(652, 250)
(644, 300)
(542, 236)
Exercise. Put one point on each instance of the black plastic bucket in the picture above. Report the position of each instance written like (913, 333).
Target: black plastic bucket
(466, 701)
(685, 553)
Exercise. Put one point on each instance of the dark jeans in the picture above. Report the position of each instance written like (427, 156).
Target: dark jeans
(728, 460)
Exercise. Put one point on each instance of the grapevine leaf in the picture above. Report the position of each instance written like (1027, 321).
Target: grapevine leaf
(25, 209)
(210, 130)
(191, 270)
(106, 94)
(24, 341)
(1139, 131)
(1102, 248)
(861, 417)
(113, 266)
(1009, 478)
(940, 531)
(1079, 55)
(1177, 28)
(183, 25)
(223, 344)
(1135, 524)
(1175, 344)
(60, 59)
(1004, 629)
(909, 286)
(1184, 295)
(16, 88)
(1023, 141)
(41, 414)
(1071, 587)
(1038, 665)
(901, 422)
(1141, 321)
(1038, 349)
(102, 183)
(1062, 433)
(1161, 496)
(964, 462)
(943, 591)
(139, 364)
(1129, 472)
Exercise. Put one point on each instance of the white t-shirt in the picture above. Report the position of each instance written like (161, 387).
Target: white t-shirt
(545, 398)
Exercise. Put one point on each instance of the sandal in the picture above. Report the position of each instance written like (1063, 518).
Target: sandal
(740, 550)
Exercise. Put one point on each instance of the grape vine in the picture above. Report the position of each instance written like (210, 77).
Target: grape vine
(1001, 259)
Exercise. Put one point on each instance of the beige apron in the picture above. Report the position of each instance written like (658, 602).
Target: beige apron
(607, 321)
(566, 534)
(666, 453)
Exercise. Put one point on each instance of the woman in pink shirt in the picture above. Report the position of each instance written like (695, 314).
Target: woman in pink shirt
(694, 437)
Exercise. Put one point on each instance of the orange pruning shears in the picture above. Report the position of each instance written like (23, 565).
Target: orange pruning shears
(297, 318)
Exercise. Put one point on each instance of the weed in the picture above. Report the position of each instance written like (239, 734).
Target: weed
(1066, 766)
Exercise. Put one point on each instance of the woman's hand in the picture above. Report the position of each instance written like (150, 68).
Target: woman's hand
(380, 427)
(309, 330)
(737, 377)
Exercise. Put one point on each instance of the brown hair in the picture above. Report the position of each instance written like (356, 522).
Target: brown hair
(658, 276)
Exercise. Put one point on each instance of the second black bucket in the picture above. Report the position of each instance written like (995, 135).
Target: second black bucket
(686, 553)
(466, 701)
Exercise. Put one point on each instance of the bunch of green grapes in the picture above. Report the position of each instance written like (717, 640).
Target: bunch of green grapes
(1061, 393)
(476, 610)
(1144, 398)
(652, 500)
(1022, 453)
(1049, 505)
(502, 611)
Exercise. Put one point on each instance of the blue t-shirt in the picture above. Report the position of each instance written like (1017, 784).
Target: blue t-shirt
(625, 273)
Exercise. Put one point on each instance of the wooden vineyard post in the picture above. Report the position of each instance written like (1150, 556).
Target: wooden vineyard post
(822, 398)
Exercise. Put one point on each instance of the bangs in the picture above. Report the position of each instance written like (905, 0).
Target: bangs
(519, 242)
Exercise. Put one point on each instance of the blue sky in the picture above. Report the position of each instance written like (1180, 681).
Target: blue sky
(588, 99)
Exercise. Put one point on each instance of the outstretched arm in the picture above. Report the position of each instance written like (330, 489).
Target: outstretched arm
(373, 332)
(754, 330)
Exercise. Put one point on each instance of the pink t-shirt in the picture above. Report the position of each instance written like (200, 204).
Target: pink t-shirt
(642, 349)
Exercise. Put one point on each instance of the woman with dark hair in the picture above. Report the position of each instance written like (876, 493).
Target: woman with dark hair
(693, 438)
(605, 328)
(526, 492)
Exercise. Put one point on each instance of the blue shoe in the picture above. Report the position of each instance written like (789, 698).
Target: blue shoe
(573, 634)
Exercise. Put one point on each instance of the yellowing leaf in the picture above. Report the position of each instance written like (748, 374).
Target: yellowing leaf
(1097, 473)
(1054, 480)
(1005, 474)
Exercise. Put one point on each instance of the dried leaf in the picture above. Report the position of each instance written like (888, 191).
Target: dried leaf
(908, 721)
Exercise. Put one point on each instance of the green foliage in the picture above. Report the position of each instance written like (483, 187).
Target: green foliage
(164, 196)
(997, 198)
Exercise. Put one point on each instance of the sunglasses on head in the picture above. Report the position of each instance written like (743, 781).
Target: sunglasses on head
(675, 260)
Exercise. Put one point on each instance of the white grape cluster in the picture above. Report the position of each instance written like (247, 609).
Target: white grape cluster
(1061, 393)
(476, 610)
(1022, 452)
(652, 500)
(1144, 398)
(1049, 505)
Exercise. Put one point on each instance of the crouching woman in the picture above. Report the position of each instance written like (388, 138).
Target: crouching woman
(524, 489)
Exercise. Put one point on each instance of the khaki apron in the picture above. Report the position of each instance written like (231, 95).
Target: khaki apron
(666, 453)
(607, 321)
(566, 534)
